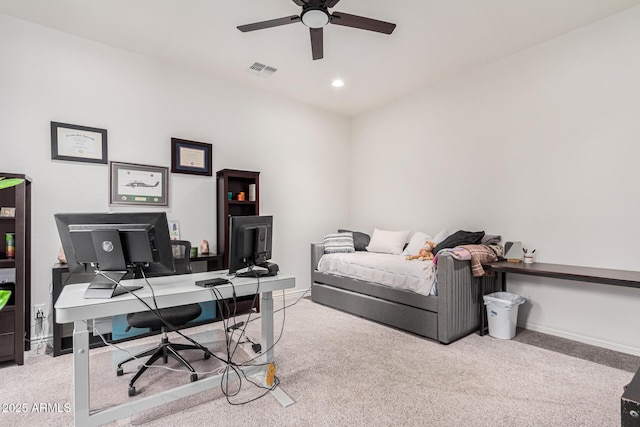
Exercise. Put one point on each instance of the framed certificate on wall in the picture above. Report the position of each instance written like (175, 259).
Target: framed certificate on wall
(78, 143)
(191, 157)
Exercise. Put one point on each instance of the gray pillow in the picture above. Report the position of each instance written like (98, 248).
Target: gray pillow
(360, 240)
(338, 243)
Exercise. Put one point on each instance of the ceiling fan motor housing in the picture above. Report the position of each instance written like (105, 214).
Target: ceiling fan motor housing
(315, 17)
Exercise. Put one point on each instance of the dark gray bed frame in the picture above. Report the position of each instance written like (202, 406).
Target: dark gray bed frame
(451, 315)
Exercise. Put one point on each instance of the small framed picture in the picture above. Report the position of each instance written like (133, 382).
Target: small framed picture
(133, 184)
(191, 157)
(78, 143)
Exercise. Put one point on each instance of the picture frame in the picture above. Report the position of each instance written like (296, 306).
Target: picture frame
(135, 184)
(78, 143)
(190, 157)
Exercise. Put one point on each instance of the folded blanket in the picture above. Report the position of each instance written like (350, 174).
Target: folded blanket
(457, 252)
(482, 254)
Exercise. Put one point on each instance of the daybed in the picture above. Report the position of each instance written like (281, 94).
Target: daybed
(452, 314)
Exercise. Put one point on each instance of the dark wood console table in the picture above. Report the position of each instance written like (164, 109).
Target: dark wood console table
(630, 403)
(603, 276)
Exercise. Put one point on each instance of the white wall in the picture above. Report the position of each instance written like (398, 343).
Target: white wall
(51, 76)
(540, 147)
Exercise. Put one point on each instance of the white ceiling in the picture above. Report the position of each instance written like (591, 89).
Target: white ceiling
(433, 40)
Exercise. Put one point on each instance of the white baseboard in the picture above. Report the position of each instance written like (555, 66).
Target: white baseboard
(622, 348)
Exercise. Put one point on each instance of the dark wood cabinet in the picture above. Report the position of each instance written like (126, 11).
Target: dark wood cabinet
(238, 195)
(15, 318)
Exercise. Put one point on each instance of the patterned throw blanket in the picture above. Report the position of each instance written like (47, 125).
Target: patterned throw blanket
(478, 254)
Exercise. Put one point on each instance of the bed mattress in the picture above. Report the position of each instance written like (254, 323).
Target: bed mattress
(390, 270)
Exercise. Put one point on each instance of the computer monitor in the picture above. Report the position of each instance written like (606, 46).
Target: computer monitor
(250, 239)
(115, 245)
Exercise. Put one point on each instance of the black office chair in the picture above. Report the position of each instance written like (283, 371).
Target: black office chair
(176, 316)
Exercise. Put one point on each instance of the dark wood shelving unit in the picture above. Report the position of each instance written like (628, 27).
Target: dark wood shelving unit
(15, 320)
(234, 181)
(7, 263)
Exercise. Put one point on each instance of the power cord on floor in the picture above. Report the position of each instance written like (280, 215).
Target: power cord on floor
(241, 326)
(38, 338)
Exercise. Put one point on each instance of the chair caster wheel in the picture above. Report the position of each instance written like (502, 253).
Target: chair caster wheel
(207, 356)
(120, 372)
(194, 377)
(132, 391)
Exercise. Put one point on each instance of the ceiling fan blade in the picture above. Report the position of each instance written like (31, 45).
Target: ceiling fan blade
(300, 2)
(330, 3)
(268, 24)
(339, 18)
(317, 50)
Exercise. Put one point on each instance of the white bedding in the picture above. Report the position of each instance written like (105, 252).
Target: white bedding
(390, 270)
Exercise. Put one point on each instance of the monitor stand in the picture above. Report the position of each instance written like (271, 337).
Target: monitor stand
(106, 287)
(270, 269)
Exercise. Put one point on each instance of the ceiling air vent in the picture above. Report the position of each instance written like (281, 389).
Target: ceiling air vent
(259, 69)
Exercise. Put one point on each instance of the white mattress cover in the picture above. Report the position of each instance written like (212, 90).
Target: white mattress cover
(386, 269)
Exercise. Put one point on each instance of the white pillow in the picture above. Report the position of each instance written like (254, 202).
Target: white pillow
(388, 242)
(438, 238)
(416, 243)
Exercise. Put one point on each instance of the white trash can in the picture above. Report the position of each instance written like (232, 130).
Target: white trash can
(502, 313)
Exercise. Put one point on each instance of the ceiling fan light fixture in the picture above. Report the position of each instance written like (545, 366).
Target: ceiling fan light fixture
(315, 18)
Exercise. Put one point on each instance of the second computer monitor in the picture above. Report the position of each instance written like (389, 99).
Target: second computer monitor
(250, 241)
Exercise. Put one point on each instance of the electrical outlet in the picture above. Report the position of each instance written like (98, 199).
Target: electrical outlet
(38, 311)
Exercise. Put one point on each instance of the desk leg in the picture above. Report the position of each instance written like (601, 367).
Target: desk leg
(266, 308)
(503, 281)
(483, 310)
(81, 402)
(266, 305)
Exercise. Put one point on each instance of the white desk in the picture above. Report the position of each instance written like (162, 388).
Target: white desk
(170, 291)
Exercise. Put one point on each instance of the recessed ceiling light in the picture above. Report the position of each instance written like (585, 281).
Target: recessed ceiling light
(337, 83)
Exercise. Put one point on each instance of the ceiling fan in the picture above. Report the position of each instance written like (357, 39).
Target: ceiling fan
(315, 15)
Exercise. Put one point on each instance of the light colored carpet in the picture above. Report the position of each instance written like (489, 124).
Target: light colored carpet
(344, 370)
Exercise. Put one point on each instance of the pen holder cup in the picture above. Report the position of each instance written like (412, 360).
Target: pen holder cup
(528, 258)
